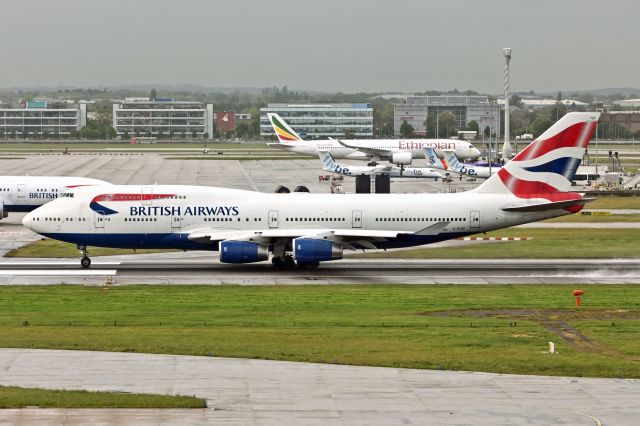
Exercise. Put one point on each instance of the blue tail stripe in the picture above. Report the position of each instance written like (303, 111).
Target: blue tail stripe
(565, 166)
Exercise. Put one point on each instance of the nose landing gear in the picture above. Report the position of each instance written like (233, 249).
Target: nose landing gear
(85, 261)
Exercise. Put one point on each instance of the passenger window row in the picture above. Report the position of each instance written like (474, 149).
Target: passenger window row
(419, 219)
(315, 219)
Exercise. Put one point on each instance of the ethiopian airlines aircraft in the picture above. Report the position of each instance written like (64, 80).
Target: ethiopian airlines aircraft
(26, 193)
(307, 229)
(396, 151)
(451, 163)
(329, 164)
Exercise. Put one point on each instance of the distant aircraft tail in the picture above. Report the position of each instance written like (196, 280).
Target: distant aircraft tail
(284, 132)
(546, 167)
(328, 162)
(434, 161)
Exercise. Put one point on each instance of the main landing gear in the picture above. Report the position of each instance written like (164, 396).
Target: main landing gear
(287, 263)
(85, 261)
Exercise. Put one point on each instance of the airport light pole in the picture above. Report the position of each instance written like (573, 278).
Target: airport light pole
(506, 148)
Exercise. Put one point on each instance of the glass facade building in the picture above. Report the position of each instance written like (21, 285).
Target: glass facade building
(320, 121)
(416, 109)
(42, 119)
(162, 118)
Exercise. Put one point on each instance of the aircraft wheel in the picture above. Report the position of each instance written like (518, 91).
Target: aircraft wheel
(289, 263)
(277, 262)
(85, 262)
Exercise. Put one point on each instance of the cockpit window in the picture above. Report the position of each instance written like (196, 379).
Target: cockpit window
(67, 194)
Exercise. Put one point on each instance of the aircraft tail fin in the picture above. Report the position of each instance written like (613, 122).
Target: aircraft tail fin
(433, 160)
(546, 167)
(284, 132)
(328, 162)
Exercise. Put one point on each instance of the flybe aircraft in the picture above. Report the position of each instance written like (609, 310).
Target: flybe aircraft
(451, 163)
(307, 229)
(26, 193)
(396, 151)
(329, 164)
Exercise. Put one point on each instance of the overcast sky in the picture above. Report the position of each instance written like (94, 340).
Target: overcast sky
(326, 45)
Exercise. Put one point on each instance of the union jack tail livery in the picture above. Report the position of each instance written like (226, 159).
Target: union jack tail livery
(544, 169)
(284, 132)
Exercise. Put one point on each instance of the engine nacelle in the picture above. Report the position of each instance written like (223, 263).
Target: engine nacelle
(242, 252)
(312, 250)
(401, 158)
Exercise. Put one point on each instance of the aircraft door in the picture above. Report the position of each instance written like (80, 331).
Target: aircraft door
(22, 190)
(273, 218)
(475, 219)
(98, 221)
(176, 223)
(356, 219)
(147, 195)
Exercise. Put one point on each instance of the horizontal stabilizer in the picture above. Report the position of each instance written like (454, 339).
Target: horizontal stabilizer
(551, 205)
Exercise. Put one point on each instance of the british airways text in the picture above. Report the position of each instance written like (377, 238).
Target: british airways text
(188, 211)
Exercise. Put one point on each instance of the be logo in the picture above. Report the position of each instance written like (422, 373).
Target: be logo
(341, 170)
(468, 171)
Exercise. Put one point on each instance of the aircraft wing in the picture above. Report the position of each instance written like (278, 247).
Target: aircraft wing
(368, 150)
(361, 237)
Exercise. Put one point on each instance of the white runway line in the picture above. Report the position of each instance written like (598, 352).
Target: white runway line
(62, 272)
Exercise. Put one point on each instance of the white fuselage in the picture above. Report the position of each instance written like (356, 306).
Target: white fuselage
(167, 218)
(26, 193)
(463, 149)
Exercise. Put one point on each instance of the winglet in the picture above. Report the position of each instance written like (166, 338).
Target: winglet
(284, 132)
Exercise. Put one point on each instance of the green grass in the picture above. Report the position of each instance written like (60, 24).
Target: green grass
(571, 243)
(52, 248)
(395, 326)
(18, 397)
(73, 146)
(597, 218)
(605, 202)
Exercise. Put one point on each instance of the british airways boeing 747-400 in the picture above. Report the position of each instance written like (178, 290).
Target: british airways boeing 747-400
(308, 229)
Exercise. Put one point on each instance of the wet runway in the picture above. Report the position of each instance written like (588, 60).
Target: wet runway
(203, 268)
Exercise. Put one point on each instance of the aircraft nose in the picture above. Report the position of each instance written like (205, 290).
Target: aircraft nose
(475, 152)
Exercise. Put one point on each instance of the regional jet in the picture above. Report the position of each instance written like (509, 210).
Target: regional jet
(26, 193)
(397, 151)
(329, 164)
(451, 163)
(307, 229)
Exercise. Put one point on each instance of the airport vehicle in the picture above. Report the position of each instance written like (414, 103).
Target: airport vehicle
(451, 163)
(306, 229)
(329, 164)
(26, 193)
(397, 151)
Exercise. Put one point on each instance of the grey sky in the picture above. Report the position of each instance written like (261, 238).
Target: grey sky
(328, 45)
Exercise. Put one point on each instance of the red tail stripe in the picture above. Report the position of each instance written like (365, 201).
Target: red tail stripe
(533, 189)
(569, 137)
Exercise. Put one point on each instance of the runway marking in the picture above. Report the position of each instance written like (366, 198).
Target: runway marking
(595, 419)
(60, 272)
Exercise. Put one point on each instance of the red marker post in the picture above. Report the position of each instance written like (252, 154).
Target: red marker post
(577, 294)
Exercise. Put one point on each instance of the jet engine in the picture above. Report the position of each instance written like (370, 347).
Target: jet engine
(401, 158)
(242, 252)
(313, 250)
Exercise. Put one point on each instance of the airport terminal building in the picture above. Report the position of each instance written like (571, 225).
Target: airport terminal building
(163, 118)
(321, 121)
(42, 119)
(416, 109)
